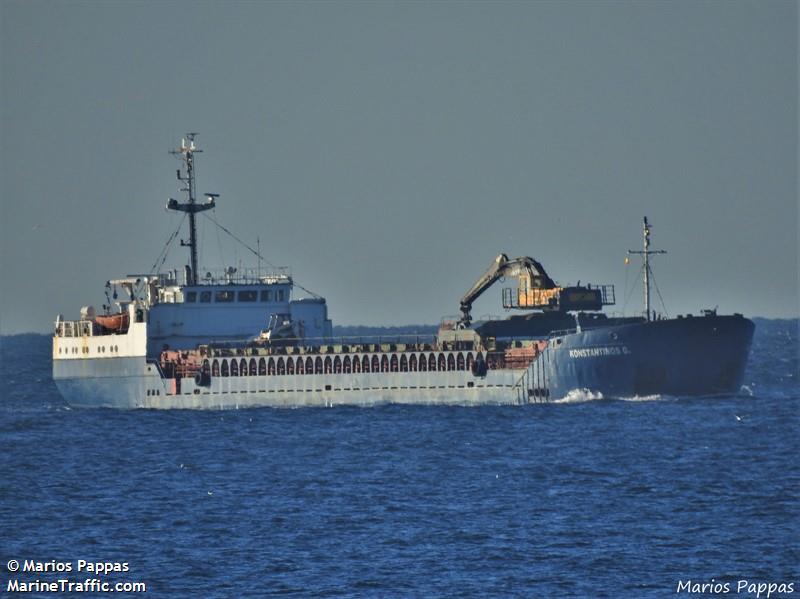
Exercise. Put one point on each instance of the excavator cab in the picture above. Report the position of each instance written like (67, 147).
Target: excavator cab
(564, 299)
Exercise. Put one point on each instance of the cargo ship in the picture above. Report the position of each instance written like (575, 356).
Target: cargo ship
(239, 338)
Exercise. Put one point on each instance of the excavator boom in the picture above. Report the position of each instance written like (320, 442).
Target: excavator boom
(524, 267)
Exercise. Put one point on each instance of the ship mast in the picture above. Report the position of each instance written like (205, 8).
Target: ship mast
(186, 153)
(647, 272)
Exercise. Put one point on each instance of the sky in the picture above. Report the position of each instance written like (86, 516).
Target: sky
(388, 151)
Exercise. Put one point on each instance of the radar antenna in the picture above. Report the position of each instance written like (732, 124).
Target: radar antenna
(647, 272)
(186, 154)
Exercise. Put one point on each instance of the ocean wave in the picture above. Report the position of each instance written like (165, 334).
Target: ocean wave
(579, 395)
(584, 395)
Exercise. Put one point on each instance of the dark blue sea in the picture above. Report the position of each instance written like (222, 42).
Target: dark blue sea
(586, 498)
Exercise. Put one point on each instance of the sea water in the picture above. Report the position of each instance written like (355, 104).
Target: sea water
(588, 497)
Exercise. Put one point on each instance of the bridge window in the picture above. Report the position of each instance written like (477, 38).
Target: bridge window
(205, 297)
(215, 368)
(262, 367)
(224, 368)
(266, 295)
(223, 296)
(248, 296)
(281, 295)
(191, 297)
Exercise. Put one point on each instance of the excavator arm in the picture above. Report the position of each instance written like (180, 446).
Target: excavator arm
(502, 267)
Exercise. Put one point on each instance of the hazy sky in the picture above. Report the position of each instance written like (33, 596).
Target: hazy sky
(388, 152)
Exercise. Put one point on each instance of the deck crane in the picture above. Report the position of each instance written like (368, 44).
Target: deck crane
(535, 290)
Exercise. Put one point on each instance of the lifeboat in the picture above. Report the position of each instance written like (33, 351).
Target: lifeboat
(113, 322)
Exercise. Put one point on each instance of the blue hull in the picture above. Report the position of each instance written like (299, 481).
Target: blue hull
(685, 356)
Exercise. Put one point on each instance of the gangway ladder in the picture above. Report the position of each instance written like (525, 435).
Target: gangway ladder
(531, 387)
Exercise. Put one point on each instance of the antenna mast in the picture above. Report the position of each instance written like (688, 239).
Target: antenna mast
(646, 253)
(186, 153)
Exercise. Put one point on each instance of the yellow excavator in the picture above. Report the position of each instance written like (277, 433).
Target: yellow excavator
(535, 290)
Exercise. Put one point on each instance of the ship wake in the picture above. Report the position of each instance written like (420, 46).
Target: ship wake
(585, 395)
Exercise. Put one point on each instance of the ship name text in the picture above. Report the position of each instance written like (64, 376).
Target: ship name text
(595, 352)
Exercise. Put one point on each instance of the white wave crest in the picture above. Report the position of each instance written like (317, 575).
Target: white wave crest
(583, 395)
(579, 395)
(654, 397)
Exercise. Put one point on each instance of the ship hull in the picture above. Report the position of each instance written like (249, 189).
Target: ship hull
(105, 382)
(134, 383)
(676, 357)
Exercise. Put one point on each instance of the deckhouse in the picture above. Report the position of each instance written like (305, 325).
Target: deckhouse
(178, 311)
